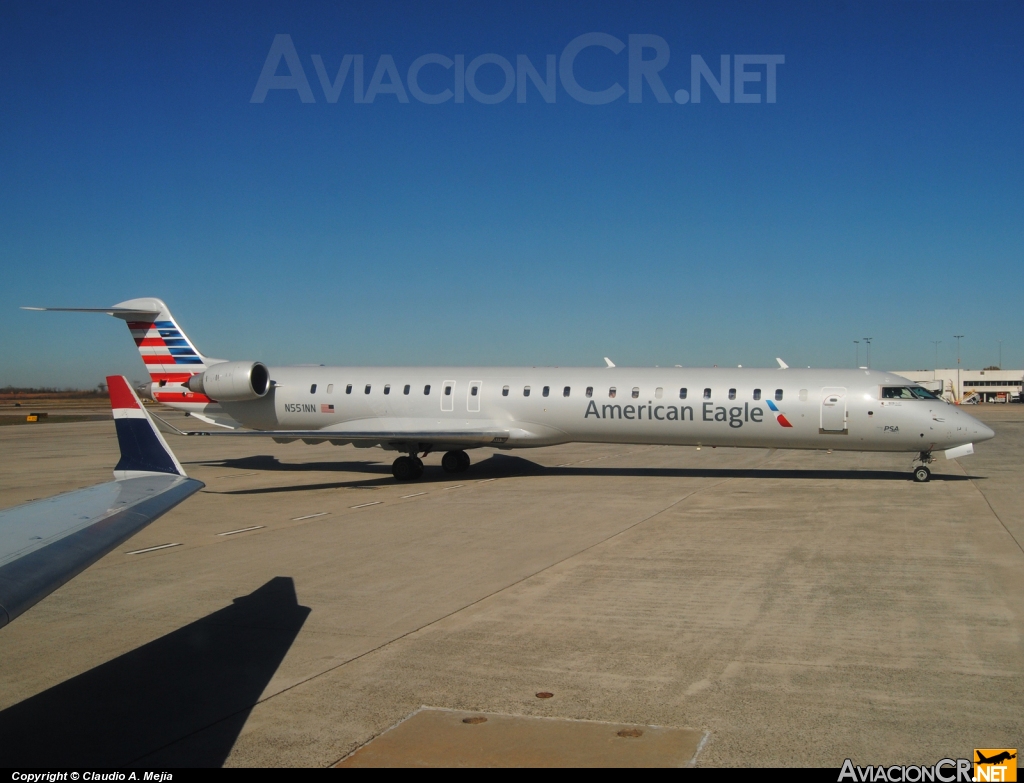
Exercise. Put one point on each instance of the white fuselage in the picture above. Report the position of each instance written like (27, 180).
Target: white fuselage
(824, 409)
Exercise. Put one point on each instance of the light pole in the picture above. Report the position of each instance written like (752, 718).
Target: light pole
(857, 343)
(936, 343)
(959, 386)
(868, 340)
(1000, 353)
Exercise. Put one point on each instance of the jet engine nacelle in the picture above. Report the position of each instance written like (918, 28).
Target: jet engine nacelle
(232, 381)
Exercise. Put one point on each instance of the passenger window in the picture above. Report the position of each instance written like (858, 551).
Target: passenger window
(426, 389)
(778, 395)
(757, 394)
(407, 389)
(330, 388)
(732, 394)
(611, 392)
(447, 391)
(312, 389)
(565, 392)
(387, 388)
(682, 394)
(367, 389)
(526, 391)
(803, 395)
(348, 389)
(636, 392)
(658, 392)
(504, 391)
(545, 390)
(707, 394)
(473, 391)
(590, 391)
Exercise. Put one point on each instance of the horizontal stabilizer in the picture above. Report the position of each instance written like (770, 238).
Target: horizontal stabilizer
(168, 353)
(126, 313)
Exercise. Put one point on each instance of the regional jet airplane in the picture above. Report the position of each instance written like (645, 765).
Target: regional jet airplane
(45, 543)
(416, 410)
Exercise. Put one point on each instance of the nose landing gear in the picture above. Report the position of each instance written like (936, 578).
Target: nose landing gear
(921, 472)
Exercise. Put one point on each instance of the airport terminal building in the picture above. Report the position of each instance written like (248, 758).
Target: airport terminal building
(970, 385)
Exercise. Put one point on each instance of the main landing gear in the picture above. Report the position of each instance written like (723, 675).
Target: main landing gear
(411, 468)
(455, 461)
(407, 468)
(921, 472)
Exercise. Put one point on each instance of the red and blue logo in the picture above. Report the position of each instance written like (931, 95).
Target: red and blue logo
(779, 416)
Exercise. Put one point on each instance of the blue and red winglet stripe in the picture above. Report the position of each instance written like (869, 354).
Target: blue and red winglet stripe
(143, 449)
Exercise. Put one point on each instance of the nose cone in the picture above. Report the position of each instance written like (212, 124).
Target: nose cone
(977, 430)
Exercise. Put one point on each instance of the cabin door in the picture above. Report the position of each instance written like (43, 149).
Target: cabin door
(833, 409)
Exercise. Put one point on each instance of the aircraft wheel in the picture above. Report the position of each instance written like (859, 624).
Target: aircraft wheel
(464, 461)
(451, 462)
(418, 464)
(403, 469)
(921, 474)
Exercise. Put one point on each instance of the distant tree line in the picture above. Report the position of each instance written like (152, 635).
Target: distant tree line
(8, 392)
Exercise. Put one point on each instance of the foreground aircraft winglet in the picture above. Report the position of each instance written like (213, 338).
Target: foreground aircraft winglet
(45, 543)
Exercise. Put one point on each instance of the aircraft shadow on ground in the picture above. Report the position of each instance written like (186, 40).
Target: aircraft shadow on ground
(180, 700)
(505, 466)
(270, 463)
(496, 466)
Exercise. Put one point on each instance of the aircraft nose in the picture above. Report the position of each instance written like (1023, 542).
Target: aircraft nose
(978, 430)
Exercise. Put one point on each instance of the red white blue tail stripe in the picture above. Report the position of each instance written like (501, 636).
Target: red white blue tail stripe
(170, 356)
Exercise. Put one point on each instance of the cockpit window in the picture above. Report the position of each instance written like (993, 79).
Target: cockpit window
(906, 393)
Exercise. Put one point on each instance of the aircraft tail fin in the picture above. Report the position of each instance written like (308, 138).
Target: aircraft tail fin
(169, 355)
(143, 448)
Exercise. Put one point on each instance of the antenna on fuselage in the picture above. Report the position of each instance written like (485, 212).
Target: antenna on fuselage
(782, 364)
(609, 362)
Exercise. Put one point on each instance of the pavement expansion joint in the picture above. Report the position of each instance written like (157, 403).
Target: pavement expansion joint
(441, 737)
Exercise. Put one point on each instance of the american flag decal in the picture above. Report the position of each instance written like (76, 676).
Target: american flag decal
(324, 408)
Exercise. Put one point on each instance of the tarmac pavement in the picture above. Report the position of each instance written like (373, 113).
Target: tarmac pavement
(791, 608)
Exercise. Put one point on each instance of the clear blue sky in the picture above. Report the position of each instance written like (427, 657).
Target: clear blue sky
(881, 195)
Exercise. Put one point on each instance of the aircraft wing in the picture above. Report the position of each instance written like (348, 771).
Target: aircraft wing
(399, 433)
(421, 436)
(45, 543)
